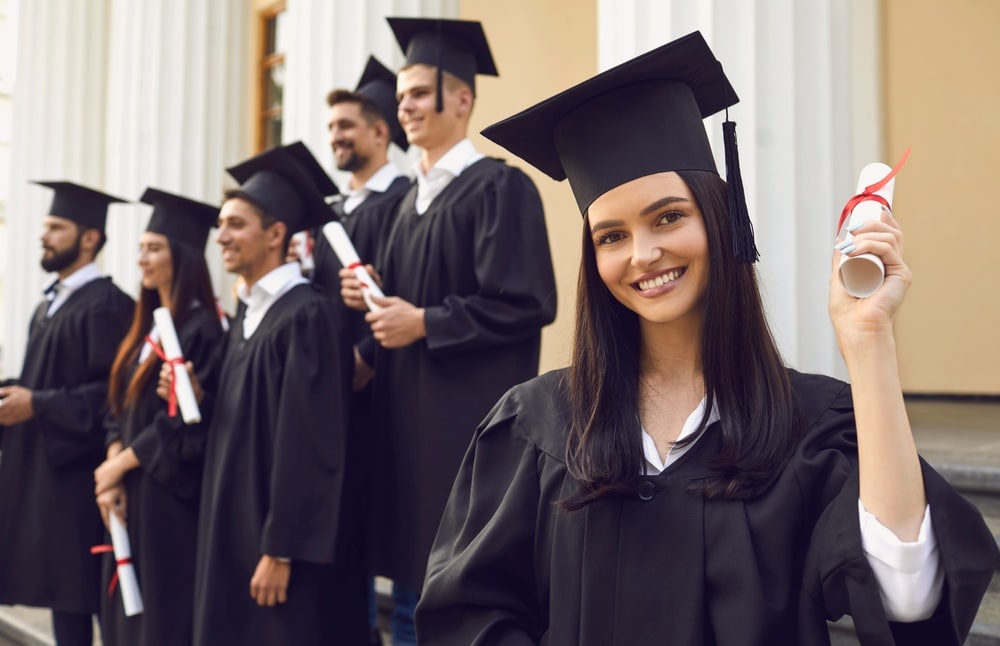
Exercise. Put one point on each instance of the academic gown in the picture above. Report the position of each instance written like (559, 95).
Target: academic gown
(366, 226)
(478, 261)
(272, 480)
(48, 518)
(665, 565)
(162, 497)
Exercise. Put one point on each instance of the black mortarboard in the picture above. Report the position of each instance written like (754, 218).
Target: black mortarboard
(458, 47)
(180, 218)
(289, 183)
(639, 118)
(378, 85)
(83, 205)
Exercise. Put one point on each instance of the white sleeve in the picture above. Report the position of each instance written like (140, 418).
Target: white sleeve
(909, 575)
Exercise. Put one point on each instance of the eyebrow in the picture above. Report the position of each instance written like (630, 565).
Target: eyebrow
(651, 208)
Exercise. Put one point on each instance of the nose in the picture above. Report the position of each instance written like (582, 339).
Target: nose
(222, 237)
(646, 250)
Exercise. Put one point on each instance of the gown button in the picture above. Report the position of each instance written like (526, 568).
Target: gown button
(647, 490)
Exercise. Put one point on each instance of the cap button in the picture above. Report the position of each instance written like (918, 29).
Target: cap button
(646, 491)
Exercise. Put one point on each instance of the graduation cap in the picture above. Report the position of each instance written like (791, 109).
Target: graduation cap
(458, 47)
(378, 85)
(81, 204)
(180, 218)
(639, 118)
(289, 183)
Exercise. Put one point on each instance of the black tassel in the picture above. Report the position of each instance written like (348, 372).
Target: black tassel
(439, 98)
(744, 247)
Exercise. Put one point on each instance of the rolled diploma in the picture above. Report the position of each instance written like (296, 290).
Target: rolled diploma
(862, 275)
(302, 248)
(182, 383)
(127, 582)
(337, 236)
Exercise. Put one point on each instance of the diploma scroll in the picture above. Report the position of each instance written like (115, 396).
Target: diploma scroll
(337, 236)
(303, 247)
(182, 383)
(127, 581)
(862, 275)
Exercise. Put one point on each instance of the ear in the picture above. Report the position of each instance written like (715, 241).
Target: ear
(382, 131)
(276, 235)
(89, 239)
(465, 100)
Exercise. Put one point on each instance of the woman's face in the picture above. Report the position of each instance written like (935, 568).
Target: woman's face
(651, 247)
(154, 261)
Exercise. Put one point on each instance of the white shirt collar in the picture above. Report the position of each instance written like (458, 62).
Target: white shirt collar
(653, 463)
(266, 292)
(60, 290)
(377, 183)
(451, 165)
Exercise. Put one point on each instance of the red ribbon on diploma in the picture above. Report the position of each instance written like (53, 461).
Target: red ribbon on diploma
(352, 267)
(103, 549)
(179, 361)
(869, 194)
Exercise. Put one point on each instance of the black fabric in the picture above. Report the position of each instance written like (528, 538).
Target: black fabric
(72, 628)
(48, 517)
(509, 567)
(162, 498)
(378, 85)
(478, 261)
(458, 47)
(274, 468)
(86, 206)
(180, 218)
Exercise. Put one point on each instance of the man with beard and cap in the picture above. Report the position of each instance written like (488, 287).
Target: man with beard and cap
(362, 124)
(268, 561)
(51, 435)
(468, 268)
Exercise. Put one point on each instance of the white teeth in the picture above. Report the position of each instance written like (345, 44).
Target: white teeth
(662, 279)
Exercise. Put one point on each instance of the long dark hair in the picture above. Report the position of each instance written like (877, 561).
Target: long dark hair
(743, 371)
(191, 283)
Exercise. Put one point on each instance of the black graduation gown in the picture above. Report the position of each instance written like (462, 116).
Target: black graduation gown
(162, 498)
(478, 261)
(48, 518)
(509, 567)
(272, 479)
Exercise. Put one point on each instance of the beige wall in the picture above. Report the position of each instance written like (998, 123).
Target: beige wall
(943, 99)
(539, 48)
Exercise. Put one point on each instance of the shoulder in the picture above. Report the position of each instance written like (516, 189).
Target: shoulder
(103, 295)
(536, 411)
(817, 396)
(204, 321)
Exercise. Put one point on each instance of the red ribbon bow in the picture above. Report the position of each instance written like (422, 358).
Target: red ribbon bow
(103, 549)
(869, 194)
(352, 267)
(179, 361)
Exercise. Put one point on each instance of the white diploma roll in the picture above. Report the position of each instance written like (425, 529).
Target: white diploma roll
(302, 248)
(861, 276)
(182, 383)
(337, 236)
(127, 582)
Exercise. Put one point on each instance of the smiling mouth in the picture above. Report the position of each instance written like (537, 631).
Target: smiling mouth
(662, 279)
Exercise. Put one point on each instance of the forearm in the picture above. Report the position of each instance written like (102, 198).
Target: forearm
(891, 483)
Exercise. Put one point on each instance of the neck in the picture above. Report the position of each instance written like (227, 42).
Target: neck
(434, 154)
(72, 269)
(671, 353)
(252, 275)
(164, 296)
(360, 177)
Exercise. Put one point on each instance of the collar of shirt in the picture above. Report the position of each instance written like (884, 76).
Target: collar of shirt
(653, 463)
(266, 292)
(377, 183)
(451, 165)
(60, 290)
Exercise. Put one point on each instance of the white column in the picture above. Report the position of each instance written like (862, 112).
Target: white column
(57, 133)
(176, 114)
(808, 78)
(326, 46)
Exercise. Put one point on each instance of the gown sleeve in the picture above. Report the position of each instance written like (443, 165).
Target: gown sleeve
(169, 450)
(480, 588)
(309, 435)
(838, 579)
(513, 268)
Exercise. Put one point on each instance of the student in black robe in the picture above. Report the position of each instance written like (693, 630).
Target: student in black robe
(152, 475)
(266, 570)
(469, 274)
(54, 438)
(595, 508)
(362, 124)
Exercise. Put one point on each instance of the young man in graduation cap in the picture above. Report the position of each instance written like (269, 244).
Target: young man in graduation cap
(362, 124)
(51, 435)
(267, 532)
(468, 268)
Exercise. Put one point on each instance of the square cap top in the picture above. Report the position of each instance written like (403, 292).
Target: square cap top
(180, 218)
(458, 47)
(84, 205)
(378, 85)
(639, 118)
(289, 183)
